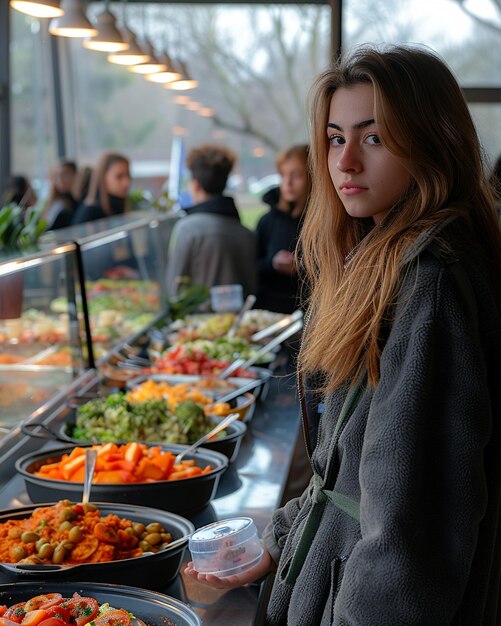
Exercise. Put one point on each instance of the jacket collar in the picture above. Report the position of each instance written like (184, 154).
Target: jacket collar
(218, 205)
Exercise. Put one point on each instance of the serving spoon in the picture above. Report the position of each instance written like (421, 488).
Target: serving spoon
(90, 464)
(221, 426)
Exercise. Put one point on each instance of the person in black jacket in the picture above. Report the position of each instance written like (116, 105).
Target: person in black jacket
(60, 205)
(278, 232)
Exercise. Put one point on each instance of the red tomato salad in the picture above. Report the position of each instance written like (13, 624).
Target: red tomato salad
(52, 609)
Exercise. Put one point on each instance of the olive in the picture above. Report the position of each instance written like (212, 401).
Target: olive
(153, 538)
(145, 546)
(14, 533)
(66, 526)
(138, 528)
(66, 502)
(67, 514)
(46, 551)
(129, 530)
(29, 536)
(18, 552)
(166, 536)
(59, 554)
(42, 541)
(89, 508)
(75, 535)
(154, 527)
(68, 545)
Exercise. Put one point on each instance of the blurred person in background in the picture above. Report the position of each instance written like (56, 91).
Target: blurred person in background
(81, 184)
(60, 206)
(108, 189)
(209, 245)
(278, 231)
(18, 190)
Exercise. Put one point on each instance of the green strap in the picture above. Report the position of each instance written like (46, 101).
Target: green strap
(320, 496)
(344, 503)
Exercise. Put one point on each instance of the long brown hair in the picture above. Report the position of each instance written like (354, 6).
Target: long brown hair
(98, 193)
(423, 120)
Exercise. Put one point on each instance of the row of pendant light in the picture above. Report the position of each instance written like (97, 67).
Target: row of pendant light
(69, 20)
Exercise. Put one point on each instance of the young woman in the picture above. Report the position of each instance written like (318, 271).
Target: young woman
(400, 524)
(278, 231)
(108, 189)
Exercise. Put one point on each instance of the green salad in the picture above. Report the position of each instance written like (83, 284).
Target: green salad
(115, 419)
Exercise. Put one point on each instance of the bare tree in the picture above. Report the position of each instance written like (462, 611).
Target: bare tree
(490, 24)
(257, 63)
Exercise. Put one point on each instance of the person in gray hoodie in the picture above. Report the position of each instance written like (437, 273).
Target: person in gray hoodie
(400, 524)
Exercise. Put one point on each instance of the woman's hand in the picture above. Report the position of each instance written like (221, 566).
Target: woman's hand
(237, 580)
(284, 262)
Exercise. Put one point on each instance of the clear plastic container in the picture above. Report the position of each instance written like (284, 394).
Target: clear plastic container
(227, 547)
(226, 298)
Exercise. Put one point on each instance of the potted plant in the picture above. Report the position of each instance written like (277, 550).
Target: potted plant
(20, 230)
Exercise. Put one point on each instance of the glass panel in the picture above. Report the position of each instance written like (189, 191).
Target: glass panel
(254, 76)
(40, 335)
(487, 118)
(467, 35)
(32, 118)
(124, 264)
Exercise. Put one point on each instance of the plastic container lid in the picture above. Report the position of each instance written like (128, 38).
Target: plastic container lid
(227, 547)
(213, 537)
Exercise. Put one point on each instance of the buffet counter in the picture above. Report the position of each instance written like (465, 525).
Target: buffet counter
(252, 486)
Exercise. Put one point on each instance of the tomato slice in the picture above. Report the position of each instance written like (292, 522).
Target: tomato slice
(42, 601)
(16, 612)
(33, 618)
(58, 611)
(7, 622)
(81, 609)
(3, 608)
(53, 621)
(115, 617)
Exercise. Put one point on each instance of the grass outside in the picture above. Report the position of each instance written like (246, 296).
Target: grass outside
(250, 209)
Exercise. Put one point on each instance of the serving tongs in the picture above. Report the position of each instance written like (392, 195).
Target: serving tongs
(236, 393)
(274, 328)
(276, 341)
(248, 304)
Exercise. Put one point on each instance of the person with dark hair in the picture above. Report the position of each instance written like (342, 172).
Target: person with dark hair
(18, 190)
(108, 189)
(278, 231)
(60, 205)
(401, 522)
(209, 245)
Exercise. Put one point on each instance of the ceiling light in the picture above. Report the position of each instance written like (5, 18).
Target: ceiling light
(108, 38)
(185, 82)
(134, 53)
(38, 8)
(167, 75)
(73, 23)
(193, 106)
(154, 65)
(207, 112)
(182, 99)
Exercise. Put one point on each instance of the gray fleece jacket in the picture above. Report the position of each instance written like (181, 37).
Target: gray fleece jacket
(421, 453)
